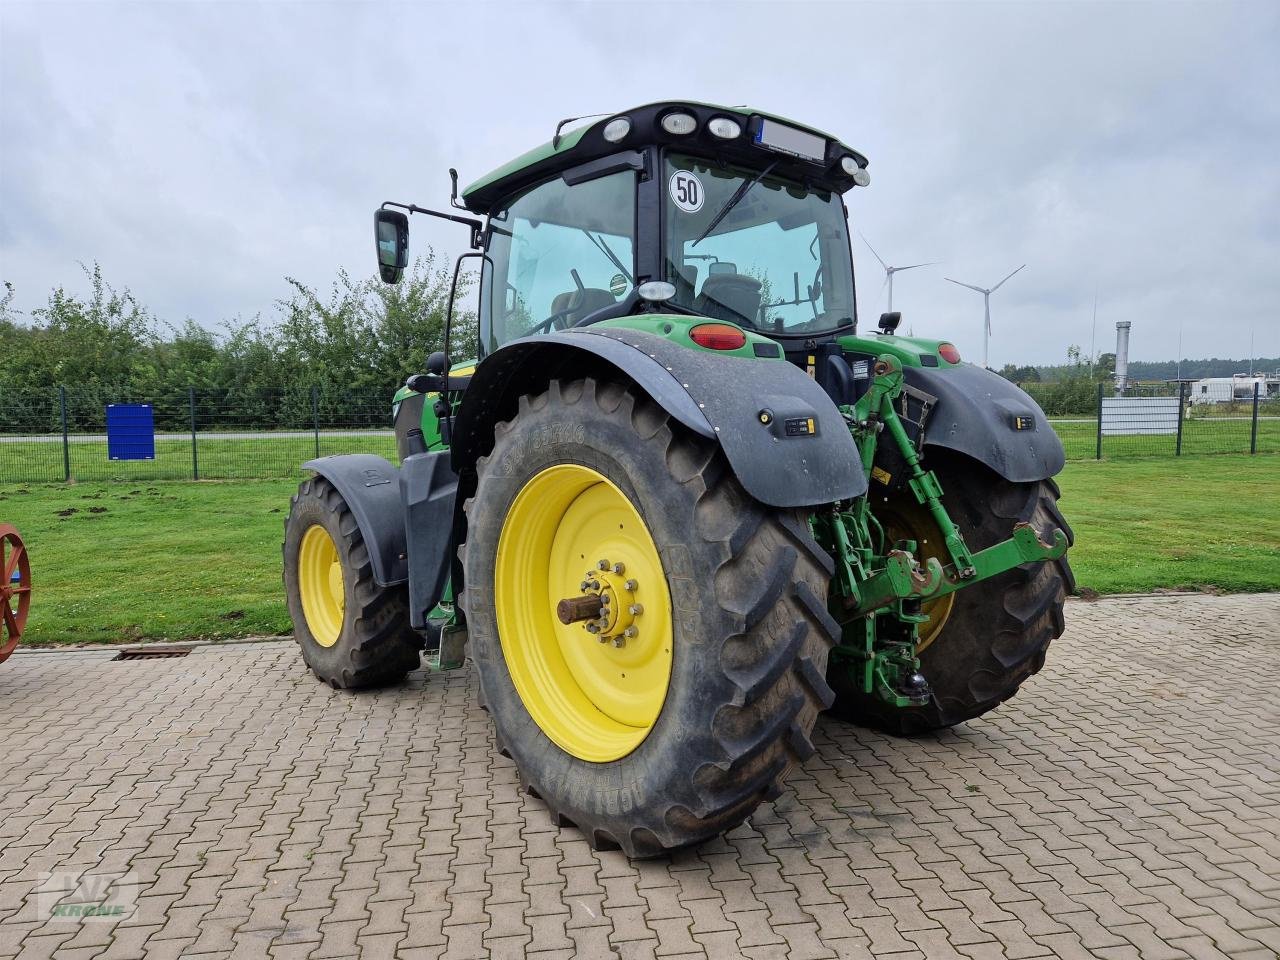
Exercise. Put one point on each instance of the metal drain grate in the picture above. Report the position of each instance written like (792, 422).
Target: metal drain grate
(151, 653)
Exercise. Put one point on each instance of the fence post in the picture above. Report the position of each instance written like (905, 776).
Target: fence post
(1182, 405)
(315, 416)
(1253, 433)
(195, 456)
(66, 443)
(1098, 454)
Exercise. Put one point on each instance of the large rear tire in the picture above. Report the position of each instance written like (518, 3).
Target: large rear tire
(729, 648)
(984, 641)
(353, 633)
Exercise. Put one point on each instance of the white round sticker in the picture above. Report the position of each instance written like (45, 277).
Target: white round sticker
(686, 191)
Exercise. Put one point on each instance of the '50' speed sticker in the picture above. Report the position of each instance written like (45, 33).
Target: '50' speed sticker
(686, 191)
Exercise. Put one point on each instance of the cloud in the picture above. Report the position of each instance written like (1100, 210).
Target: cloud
(201, 152)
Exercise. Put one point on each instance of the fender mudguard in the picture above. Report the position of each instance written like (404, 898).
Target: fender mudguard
(371, 487)
(783, 437)
(982, 415)
(405, 516)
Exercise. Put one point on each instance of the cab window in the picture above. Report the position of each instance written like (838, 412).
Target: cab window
(557, 254)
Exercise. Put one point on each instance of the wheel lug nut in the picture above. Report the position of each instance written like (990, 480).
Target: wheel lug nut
(603, 565)
(630, 632)
(592, 628)
(619, 642)
(583, 586)
(603, 638)
(630, 585)
(619, 568)
(635, 609)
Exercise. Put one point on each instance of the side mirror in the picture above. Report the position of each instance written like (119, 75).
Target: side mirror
(391, 234)
(436, 363)
(889, 321)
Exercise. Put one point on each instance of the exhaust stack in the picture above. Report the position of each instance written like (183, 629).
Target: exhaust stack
(1122, 356)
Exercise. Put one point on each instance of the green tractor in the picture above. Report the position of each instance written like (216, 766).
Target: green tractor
(677, 505)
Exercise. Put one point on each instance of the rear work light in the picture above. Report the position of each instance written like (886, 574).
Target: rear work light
(718, 336)
(949, 353)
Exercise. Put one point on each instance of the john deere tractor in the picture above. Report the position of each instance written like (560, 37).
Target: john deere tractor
(676, 504)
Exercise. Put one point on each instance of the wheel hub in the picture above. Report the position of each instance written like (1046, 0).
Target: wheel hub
(608, 609)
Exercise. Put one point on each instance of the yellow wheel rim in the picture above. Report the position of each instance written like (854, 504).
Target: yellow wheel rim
(594, 687)
(320, 585)
(905, 519)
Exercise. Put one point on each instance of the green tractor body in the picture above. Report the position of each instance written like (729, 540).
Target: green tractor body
(676, 505)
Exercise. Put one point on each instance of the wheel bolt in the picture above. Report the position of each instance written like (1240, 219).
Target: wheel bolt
(635, 609)
(630, 632)
(592, 628)
(583, 586)
(630, 585)
(603, 565)
(619, 568)
(603, 638)
(619, 642)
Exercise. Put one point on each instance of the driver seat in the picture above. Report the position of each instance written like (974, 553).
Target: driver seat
(729, 295)
(581, 303)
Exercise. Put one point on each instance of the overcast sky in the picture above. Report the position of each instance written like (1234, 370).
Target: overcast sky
(202, 151)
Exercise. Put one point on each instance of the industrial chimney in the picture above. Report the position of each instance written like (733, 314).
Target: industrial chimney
(1122, 356)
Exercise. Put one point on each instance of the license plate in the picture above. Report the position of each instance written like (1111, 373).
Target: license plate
(784, 139)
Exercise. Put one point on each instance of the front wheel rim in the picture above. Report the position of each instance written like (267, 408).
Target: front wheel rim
(594, 686)
(320, 585)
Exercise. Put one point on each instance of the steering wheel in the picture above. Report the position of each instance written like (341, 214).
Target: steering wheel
(557, 317)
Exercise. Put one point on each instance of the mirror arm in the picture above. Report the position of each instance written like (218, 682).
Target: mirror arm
(476, 226)
(453, 192)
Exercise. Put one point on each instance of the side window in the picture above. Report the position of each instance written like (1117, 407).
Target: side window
(557, 254)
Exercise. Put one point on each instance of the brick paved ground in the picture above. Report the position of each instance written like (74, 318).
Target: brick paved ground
(1127, 804)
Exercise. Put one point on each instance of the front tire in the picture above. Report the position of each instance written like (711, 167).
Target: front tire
(352, 632)
(734, 596)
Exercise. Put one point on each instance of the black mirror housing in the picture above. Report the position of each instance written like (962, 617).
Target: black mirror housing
(437, 362)
(391, 239)
(889, 321)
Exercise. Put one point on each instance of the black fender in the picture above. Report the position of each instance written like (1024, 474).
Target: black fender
(784, 438)
(406, 518)
(371, 487)
(982, 415)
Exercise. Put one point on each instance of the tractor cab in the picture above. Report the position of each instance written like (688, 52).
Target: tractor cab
(719, 212)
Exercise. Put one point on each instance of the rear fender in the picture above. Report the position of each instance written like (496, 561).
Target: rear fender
(981, 414)
(783, 437)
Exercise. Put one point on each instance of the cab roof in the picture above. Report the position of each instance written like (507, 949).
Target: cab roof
(750, 148)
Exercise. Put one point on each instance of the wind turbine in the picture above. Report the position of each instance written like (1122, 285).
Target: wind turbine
(986, 302)
(890, 271)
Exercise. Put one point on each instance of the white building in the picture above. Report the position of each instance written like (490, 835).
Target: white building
(1236, 389)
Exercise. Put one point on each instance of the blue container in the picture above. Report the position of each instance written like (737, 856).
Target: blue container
(131, 431)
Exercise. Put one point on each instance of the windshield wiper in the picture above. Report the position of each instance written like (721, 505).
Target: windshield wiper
(604, 248)
(732, 202)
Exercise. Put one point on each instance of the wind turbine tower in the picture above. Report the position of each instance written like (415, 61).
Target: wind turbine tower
(890, 271)
(986, 303)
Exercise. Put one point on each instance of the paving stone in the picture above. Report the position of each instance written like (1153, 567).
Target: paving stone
(1118, 808)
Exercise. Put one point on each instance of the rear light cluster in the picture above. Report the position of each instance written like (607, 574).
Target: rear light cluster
(949, 353)
(718, 336)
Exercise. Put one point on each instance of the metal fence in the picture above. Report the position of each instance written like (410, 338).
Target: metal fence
(1172, 420)
(60, 434)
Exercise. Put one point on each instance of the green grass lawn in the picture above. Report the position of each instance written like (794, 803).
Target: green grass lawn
(123, 561)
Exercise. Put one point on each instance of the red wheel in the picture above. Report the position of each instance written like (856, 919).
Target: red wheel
(15, 589)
